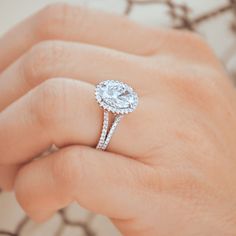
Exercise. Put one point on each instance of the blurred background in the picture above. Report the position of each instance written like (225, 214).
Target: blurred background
(215, 20)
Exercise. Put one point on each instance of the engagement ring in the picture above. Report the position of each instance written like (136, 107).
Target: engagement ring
(115, 97)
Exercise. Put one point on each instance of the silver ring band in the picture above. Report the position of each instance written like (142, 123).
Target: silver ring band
(107, 134)
(115, 97)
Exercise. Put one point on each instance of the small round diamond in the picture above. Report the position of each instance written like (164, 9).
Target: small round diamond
(116, 96)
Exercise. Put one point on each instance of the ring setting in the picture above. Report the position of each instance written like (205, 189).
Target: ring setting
(115, 97)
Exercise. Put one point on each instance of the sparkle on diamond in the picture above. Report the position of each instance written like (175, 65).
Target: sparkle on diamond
(116, 96)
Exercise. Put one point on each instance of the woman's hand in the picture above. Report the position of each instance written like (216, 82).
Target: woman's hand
(171, 165)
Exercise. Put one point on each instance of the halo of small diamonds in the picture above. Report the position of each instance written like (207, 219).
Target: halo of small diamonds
(116, 97)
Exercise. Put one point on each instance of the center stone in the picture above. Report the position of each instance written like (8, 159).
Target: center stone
(116, 96)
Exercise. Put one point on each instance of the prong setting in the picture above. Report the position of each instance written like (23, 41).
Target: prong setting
(116, 97)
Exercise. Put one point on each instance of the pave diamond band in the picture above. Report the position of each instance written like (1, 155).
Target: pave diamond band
(115, 97)
(106, 135)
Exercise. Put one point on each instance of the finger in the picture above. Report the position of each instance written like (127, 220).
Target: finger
(60, 112)
(63, 59)
(70, 23)
(9, 172)
(7, 176)
(100, 181)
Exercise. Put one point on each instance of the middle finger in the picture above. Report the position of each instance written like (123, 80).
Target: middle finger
(61, 112)
(50, 59)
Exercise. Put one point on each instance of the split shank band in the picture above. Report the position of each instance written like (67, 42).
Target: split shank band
(115, 97)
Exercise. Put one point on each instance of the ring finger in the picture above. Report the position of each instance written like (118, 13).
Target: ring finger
(61, 112)
(50, 59)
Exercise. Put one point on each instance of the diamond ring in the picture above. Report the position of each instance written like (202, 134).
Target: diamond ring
(115, 97)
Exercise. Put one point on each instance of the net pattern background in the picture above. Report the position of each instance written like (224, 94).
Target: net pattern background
(174, 14)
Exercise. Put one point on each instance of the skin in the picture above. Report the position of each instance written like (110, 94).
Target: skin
(170, 166)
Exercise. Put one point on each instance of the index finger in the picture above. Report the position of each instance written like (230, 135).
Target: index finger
(65, 22)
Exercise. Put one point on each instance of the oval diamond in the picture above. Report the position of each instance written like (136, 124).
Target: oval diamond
(116, 96)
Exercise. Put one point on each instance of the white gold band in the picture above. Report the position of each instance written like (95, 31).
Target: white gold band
(107, 134)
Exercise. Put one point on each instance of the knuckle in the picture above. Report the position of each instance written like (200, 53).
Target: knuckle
(189, 41)
(66, 167)
(195, 89)
(50, 18)
(55, 19)
(191, 36)
(40, 62)
(48, 104)
(196, 92)
(192, 39)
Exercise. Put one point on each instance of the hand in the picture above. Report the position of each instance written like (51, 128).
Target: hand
(170, 166)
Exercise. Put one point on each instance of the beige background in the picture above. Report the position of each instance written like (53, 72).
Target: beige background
(216, 32)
